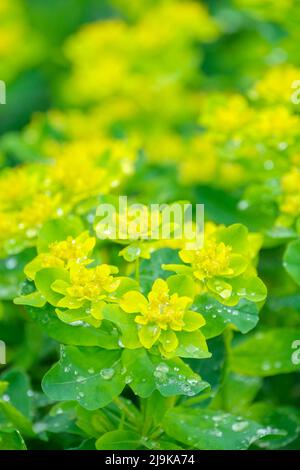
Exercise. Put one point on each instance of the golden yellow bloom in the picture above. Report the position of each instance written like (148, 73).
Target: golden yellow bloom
(88, 287)
(161, 315)
(164, 310)
(277, 84)
(92, 283)
(224, 266)
(213, 260)
(63, 254)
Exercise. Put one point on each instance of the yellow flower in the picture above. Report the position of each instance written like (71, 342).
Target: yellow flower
(89, 287)
(63, 254)
(212, 260)
(277, 84)
(161, 315)
(224, 266)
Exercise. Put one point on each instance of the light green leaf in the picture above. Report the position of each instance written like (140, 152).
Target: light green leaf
(44, 280)
(78, 334)
(283, 418)
(91, 376)
(145, 373)
(291, 260)
(36, 299)
(267, 353)
(125, 322)
(213, 430)
(58, 230)
(11, 440)
(244, 315)
(119, 440)
(182, 285)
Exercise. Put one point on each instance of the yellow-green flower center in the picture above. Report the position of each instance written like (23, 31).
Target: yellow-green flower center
(213, 260)
(91, 283)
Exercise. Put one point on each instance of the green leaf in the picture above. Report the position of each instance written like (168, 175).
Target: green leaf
(11, 440)
(10, 417)
(182, 285)
(88, 444)
(16, 403)
(291, 260)
(12, 273)
(283, 418)
(125, 323)
(36, 299)
(58, 230)
(151, 269)
(267, 353)
(192, 344)
(91, 376)
(236, 393)
(45, 278)
(213, 430)
(244, 315)
(77, 334)
(119, 440)
(235, 235)
(146, 373)
(60, 419)
(18, 390)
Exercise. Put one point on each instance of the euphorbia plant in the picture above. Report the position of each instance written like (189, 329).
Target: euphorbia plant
(131, 351)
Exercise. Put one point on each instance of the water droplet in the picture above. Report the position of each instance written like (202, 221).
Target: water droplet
(243, 205)
(31, 233)
(80, 379)
(107, 374)
(191, 349)
(241, 426)
(11, 263)
(161, 370)
(216, 433)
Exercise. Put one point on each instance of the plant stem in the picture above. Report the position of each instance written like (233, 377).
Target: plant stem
(124, 409)
(137, 270)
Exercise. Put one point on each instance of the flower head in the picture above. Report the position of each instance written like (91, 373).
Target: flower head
(162, 316)
(63, 254)
(87, 287)
(224, 265)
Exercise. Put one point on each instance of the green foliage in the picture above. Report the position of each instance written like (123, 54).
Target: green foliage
(149, 343)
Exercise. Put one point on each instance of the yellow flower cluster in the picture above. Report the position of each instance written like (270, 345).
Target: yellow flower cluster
(63, 254)
(135, 76)
(73, 172)
(161, 315)
(87, 284)
(250, 142)
(117, 59)
(224, 266)
(278, 85)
